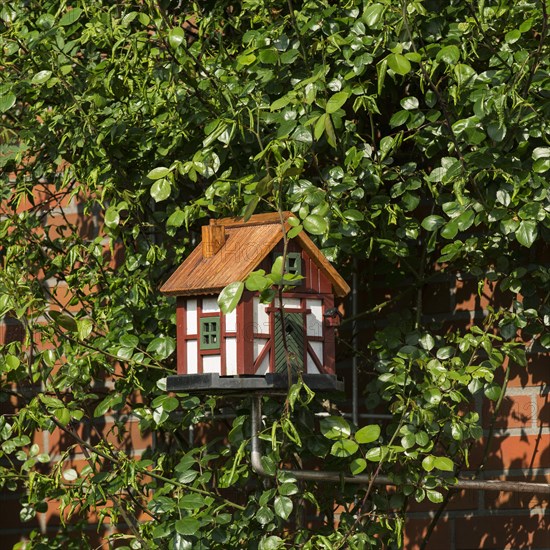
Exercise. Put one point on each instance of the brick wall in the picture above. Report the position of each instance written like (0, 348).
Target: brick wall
(61, 216)
(518, 443)
(519, 447)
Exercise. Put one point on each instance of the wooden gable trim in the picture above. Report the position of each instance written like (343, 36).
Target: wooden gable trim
(341, 288)
(257, 219)
(181, 330)
(245, 336)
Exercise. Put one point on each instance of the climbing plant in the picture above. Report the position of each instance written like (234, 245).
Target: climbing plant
(410, 139)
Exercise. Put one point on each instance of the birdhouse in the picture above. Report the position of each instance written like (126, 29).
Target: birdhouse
(249, 341)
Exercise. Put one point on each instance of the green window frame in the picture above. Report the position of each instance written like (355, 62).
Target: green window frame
(210, 333)
(293, 265)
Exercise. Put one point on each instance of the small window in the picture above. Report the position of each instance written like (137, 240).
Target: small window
(294, 265)
(210, 333)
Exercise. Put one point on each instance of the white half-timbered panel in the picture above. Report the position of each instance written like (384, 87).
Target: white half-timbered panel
(317, 348)
(231, 356)
(231, 321)
(212, 363)
(261, 317)
(191, 316)
(210, 305)
(259, 345)
(314, 320)
(264, 366)
(192, 357)
(288, 303)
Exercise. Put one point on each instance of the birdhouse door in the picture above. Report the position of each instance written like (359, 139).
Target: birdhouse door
(295, 341)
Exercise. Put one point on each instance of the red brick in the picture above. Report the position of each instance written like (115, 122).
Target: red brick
(467, 298)
(519, 501)
(543, 411)
(12, 332)
(515, 412)
(535, 374)
(462, 500)
(502, 532)
(416, 529)
(514, 452)
(59, 225)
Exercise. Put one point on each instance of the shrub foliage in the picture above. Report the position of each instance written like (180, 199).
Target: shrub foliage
(411, 139)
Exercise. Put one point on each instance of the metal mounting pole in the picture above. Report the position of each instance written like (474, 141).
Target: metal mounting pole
(336, 477)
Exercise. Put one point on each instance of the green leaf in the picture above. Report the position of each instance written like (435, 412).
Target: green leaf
(187, 526)
(319, 129)
(162, 347)
(408, 441)
(357, 466)
(70, 474)
(443, 463)
(272, 542)
(229, 297)
(11, 362)
(399, 118)
(336, 101)
(176, 37)
(251, 207)
(527, 232)
(448, 54)
(112, 217)
(463, 73)
(288, 488)
(422, 439)
(63, 320)
(367, 434)
(70, 17)
(283, 506)
(335, 427)
(376, 454)
(176, 219)
(373, 15)
(445, 352)
(264, 515)
(191, 501)
(540, 153)
(330, 133)
(496, 132)
(541, 165)
(409, 103)
(85, 327)
(63, 416)
(512, 36)
(450, 229)
(434, 496)
(432, 396)
(41, 77)
(399, 63)
(158, 172)
(428, 463)
(427, 341)
(316, 225)
(161, 189)
(344, 448)
(492, 392)
(433, 222)
(7, 101)
(269, 56)
(353, 215)
(256, 281)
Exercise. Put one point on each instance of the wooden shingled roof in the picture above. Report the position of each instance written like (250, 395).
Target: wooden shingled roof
(245, 245)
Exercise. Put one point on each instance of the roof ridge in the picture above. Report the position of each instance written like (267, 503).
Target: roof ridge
(256, 219)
